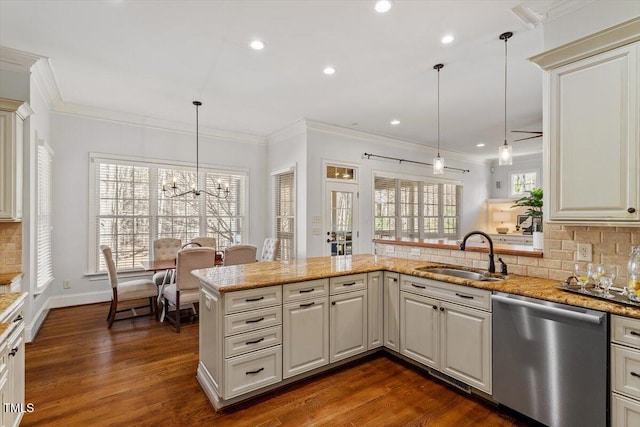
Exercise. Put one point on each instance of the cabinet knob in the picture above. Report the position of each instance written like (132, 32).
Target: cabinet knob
(435, 307)
(631, 210)
(441, 308)
(333, 303)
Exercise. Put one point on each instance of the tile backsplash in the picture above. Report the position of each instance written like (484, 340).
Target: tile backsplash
(10, 247)
(611, 245)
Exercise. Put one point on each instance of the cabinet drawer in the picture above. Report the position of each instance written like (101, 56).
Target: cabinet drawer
(252, 299)
(252, 320)
(252, 371)
(625, 377)
(293, 292)
(251, 341)
(465, 295)
(624, 412)
(625, 330)
(353, 282)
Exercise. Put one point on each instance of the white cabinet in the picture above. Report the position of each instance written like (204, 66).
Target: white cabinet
(391, 316)
(12, 115)
(375, 321)
(348, 316)
(592, 137)
(305, 327)
(12, 368)
(447, 327)
(625, 371)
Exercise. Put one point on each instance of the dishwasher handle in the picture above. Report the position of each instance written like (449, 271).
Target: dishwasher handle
(549, 309)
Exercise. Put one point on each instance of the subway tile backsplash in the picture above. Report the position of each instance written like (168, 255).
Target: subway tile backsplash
(10, 247)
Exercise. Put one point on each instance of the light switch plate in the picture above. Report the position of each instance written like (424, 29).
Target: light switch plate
(584, 252)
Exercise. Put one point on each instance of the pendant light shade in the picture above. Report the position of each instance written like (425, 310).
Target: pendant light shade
(438, 162)
(504, 152)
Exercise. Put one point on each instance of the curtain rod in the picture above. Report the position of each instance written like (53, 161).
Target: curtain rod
(369, 156)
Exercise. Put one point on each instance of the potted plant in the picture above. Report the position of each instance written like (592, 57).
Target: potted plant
(533, 201)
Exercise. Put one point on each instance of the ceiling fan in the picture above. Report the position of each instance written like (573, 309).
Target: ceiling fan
(536, 134)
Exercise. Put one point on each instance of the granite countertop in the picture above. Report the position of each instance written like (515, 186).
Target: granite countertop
(498, 248)
(7, 278)
(260, 274)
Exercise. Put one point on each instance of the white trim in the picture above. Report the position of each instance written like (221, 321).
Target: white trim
(45, 80)
(410, 177)
(31, 330)
(17, 60)
(299, 127)
(58, 301)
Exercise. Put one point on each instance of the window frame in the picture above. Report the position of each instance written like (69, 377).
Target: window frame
(512, 194)
(95, 158)
(46, 148)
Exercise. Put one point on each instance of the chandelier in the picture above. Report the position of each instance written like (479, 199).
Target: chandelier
(195, 190)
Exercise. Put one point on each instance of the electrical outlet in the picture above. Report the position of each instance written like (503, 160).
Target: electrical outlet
(66, 284)
(584, 252)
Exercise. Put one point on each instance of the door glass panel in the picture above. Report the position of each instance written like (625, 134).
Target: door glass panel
(340, 236)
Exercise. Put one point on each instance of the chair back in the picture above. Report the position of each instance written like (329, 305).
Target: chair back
(166, 248)
(270, 249)
(190, 259)
(240, 254)
(205, 242)
(111, 266)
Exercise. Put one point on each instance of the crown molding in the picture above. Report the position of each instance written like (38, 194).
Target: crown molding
(535, 12)
(149, 122)
(21, 108)
(389, 141)
(297, 128)
(17, 60)
(45, 81)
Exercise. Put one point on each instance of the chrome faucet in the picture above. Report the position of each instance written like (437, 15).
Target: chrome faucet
(463, 245)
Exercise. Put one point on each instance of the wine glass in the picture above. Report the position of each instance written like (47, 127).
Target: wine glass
(608, 276)
(595, 272)
(580, 273)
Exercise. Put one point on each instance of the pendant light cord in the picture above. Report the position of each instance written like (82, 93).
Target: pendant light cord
(439, 112)
(505, 89)
(197, 150)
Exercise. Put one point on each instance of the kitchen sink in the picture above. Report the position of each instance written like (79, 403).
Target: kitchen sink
(464, 274)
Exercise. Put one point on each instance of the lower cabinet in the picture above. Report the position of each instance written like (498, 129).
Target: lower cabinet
(375, 317)
(348, 325)
(625, 371)
(391, 311)
(437, 330)
(12, 369)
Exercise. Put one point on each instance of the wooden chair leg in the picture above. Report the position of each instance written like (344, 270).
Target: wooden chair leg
(112, 318)
(153, 307)
(178, 311)
(110, 309)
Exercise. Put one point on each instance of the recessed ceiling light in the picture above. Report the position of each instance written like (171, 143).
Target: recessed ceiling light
(447, 39)
(328, 70)
(257, 44)
(395, 122)
(383, 6)
(480, 145)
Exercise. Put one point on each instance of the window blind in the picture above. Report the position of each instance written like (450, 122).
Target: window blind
(284, 213)
(384, 207)
(44, 260)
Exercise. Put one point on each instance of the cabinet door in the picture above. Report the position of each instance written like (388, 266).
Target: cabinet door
(465, 339)
(392, 311)
(15, 369)
(624, 412)
(348, 325)
(375, 319)
(419, 330)
(593, 138)
(211, 337)
(10, 166)
(306, 336)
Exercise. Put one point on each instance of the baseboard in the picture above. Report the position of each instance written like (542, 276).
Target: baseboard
(32, 329)
(58, 301)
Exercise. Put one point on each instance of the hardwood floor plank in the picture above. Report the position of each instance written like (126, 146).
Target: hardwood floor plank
(142, 373)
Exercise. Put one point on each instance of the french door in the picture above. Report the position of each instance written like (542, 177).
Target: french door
(341, 215)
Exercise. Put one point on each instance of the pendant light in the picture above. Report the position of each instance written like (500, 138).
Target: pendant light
(438, 162)
(195, 190)
(504, 152)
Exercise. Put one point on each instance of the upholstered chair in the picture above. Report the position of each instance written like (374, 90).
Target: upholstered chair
(240, 254)
(205, 242)
(164, 249)
(128, 291)
(270, 249)
(186, 289)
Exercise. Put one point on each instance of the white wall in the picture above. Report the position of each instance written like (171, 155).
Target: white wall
(502, 174)
(593, 17)
(331, 143)
(14, 85)
(74, 137)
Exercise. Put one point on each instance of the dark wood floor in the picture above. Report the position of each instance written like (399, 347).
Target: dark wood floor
(141, 372)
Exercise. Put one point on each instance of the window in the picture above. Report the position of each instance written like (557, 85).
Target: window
(423, 209)
(130, 209)
(522, 182)
(284, 213)
(44, 261)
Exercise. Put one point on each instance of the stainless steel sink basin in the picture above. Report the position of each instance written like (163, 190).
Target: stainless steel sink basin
(471, 275)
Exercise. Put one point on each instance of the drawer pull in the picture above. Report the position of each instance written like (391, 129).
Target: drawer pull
(637, 334)
(13, 351)
(349, 284)
(306, 291)
(464, 296)
(307, 305)
(255, 341)
(435, 307)
(254, 372)
(17, 319)
(633, 374)
(418, 286)
(254, 299)
(254, 320)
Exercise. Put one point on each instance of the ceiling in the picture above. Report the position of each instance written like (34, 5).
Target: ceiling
(152, 58)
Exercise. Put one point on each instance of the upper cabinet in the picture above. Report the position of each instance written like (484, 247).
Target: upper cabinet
(12, 116)
(591, 131)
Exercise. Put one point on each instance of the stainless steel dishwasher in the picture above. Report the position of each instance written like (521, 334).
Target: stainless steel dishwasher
(550, 361)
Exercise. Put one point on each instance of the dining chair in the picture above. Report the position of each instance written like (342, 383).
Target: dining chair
(186, 289)
(239, 254)
(270, 249)
(128, 291)
(207, 242)
(164, 249)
